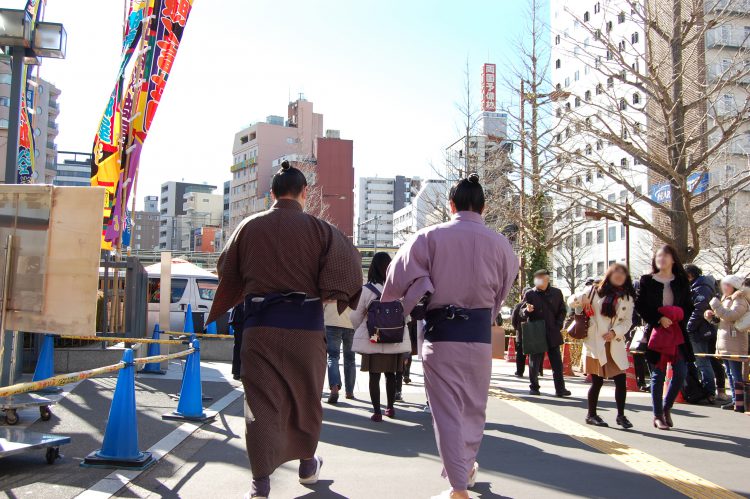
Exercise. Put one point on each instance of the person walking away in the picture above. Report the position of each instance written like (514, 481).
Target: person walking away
(734, 303)
(284, 263)
(339, 332)
(667, 285)
(702, 333)
(612, 302)
(545, 302)
(469, 271)
(640, 366)
(378, 358)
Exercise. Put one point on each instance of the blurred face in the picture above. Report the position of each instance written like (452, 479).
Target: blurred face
(618, 277)
(726, 289)
(541, 281)
(664, 260)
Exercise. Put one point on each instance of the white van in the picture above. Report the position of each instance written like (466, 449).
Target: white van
(190, 285)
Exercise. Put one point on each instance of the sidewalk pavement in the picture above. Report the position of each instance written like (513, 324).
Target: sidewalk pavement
(528, 450)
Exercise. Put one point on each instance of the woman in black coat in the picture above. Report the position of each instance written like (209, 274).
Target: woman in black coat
(666, 285)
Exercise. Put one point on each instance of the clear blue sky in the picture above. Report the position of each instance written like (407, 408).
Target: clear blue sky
(388, 74)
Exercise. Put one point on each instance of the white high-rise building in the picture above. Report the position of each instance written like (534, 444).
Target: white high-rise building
(595, 244)
(428, 207)
(377, 199)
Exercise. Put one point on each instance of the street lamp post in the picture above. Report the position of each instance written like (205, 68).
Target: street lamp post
(26, 42)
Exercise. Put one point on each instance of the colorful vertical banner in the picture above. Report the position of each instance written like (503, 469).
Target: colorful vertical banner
(155, 27)
(25, 155)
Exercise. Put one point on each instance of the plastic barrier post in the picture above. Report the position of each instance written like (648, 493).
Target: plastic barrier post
(511, 357)
(190, 405)
(631, 383)
(45, 364)
(546, 364)
(153, 350)
(120, 446)
(211, 328)
(231, 330)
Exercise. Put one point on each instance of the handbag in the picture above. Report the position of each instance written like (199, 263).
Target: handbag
(639, 339)
(579, 328)
(534, 337)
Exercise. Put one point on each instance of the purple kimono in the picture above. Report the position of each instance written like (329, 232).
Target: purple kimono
(470, 269)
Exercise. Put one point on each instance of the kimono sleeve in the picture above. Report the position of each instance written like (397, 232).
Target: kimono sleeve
(231, 286)
(340, 277)
(408, 275)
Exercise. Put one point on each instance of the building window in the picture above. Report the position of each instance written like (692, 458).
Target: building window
(610, 82)
(567, 81)
(613, 233)
(586, 17)
(558, 112)
(623, 104)
(578, 101)
(599, 89)
(609, 55)
(577, 75)
(624, 162)
(567, 106)
(597, 8)
(597, 34)
(599, 145)
(621, 18)
(634, 38)
(4, 101)
(621, 46)
(636, 98)
(588, 150)
(558, 64)
(587, 95)
(557, 40)
(600, 237)
(600, 269)
(609, 26)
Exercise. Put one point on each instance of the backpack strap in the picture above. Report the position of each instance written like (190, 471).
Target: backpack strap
(374, 289)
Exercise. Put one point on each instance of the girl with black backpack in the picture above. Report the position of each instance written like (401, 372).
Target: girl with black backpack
(381, 345)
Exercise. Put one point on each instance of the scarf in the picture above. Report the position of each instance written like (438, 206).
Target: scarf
(609, 302)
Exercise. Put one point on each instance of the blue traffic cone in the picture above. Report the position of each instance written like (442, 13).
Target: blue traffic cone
(45, 364)
(153, 349)
(190, 405)
(231, 330)
(120, 446)
(189, 327)
(211, 328)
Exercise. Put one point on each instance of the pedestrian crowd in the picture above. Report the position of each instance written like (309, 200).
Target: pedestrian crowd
(294, 285)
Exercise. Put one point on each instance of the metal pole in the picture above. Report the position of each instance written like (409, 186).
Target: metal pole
(14, 116)
(627, 234)
(7, 375)
(522, 270)
(606, 241)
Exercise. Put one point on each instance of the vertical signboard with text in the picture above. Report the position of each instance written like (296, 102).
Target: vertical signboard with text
(489, 87)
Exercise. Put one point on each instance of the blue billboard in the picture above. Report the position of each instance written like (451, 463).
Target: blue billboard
(697, 184)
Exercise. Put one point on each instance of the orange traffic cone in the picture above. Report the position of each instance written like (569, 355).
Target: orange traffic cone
(567, 362)
(670, 374)
(631, 382)
(511, 357)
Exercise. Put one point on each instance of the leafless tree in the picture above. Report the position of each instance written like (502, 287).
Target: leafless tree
(315, 204)
(728, 250)
(671, 103)
(570, 262)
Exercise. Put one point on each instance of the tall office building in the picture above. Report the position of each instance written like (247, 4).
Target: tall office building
(151, 204)
(73, 169)
(172, 207)
(258, 146)
(145, 234)
(41, 98)
(594, 244)
(378, 199)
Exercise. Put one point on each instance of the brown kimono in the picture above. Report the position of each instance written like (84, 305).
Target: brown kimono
(283, 358)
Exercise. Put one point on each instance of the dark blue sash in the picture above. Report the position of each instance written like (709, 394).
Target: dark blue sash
(284, 310)
(459, 324)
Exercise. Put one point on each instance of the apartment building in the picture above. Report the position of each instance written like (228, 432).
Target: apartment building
(378, 199)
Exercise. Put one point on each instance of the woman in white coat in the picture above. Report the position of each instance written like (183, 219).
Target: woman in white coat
(377, 358)
(609, 305)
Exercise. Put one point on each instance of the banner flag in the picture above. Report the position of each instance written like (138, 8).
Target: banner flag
(131, 110)
(25, 160)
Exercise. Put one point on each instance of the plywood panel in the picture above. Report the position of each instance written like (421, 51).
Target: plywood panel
(72, 266)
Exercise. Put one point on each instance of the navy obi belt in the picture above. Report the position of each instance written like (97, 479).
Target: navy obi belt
(466, 325)
(284, 310)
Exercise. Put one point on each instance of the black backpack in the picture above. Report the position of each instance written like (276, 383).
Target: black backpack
(385, 319)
